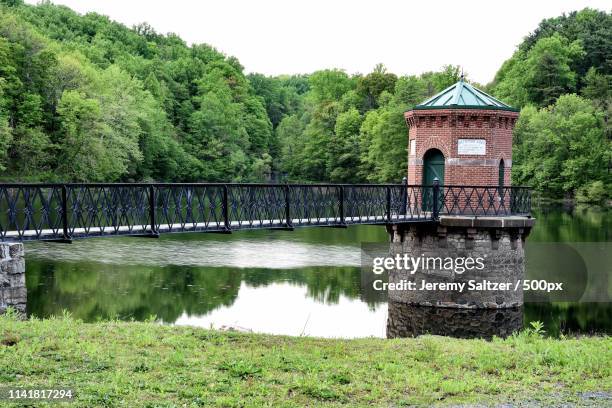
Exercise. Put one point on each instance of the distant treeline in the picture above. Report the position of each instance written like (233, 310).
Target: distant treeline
(84, 98)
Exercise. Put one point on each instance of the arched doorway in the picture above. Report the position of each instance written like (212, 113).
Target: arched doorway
(433, 167)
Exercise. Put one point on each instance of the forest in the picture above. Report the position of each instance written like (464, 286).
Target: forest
(84, 98)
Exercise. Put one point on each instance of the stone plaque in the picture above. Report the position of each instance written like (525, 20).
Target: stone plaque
(412, 147)
(472, 146)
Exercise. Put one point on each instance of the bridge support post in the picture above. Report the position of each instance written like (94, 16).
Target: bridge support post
(341, 206)
(152, 211)
(457, 250)
(435, 211)
(13, 291)
(152, 200)
(404, 209)
(227, 226)
(388, 209)
(65, 238)
(288, 221)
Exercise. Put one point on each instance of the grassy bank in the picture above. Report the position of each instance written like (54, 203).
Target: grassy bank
(146, 364)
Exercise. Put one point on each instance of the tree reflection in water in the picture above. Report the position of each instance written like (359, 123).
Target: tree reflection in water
(127, 290)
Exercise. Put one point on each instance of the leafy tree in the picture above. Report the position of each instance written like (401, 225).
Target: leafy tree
(318, 136)
(410, 91)
(343, 159)
(383, 141)
(594, 192)
(5, 131)
(270, 90)
(593, 28)
(597, 88)
(438, 81)
(554, 147)
(329, 85)
(12, 3)
(82, 155)
(540, 75)
(372, 85)
(290, 133)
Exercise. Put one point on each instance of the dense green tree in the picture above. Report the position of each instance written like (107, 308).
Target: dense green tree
(85, 98)
(282, 96)
(597, 87)
(370, 87)
(318, 135)
(83, 154)
(329, 85)
(343, 159)
(5, 130)
(438, 81)
(540, 75)
(593, 28)
(150, 91)
(410, 91)
(290, 135)
(270, 90)
(563, 149)
(383, 143)
(554, 147)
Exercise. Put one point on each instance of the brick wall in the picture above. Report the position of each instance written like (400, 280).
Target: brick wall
(442, 128)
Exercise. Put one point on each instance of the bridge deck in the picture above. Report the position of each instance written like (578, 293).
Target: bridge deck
(66, 211)
(206, 227)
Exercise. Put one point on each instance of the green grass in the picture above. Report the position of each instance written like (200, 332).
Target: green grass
(151, 365)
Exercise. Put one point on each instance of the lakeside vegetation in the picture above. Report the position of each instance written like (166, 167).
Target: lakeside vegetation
(83, 98)
(146, 364)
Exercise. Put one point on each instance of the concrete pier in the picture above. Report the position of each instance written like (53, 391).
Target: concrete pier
(13, 290)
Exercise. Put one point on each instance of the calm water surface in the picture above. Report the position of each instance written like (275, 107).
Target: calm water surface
(306, 282)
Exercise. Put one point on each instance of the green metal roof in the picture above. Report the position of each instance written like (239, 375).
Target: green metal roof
(463, 96)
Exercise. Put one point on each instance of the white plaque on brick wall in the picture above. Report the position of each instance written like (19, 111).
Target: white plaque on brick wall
(412, 147)
(472, 146)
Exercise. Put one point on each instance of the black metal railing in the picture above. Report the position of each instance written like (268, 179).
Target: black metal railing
(66, 211)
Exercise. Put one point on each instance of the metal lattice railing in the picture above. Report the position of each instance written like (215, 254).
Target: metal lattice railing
(66, 211)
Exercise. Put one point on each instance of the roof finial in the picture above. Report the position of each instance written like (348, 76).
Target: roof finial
(462, 75)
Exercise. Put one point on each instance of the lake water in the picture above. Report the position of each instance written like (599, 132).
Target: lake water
(306, 282)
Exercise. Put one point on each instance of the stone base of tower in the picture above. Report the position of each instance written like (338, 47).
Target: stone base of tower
(404, 320)
(467, 262)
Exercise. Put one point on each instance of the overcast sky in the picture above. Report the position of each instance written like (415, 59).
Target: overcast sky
(290, 36)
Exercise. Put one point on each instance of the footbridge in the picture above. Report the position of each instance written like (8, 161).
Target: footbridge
(63, 212)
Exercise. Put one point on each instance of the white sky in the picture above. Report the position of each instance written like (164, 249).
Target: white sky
(288, 36)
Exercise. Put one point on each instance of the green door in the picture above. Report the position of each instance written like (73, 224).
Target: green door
(433, 167)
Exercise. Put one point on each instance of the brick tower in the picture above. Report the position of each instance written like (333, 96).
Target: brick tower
(462, 136)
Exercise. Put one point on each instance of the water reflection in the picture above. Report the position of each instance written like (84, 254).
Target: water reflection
(101, 291)
(318, 301)
(306, 282)
(289, 309)
(411, 321)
